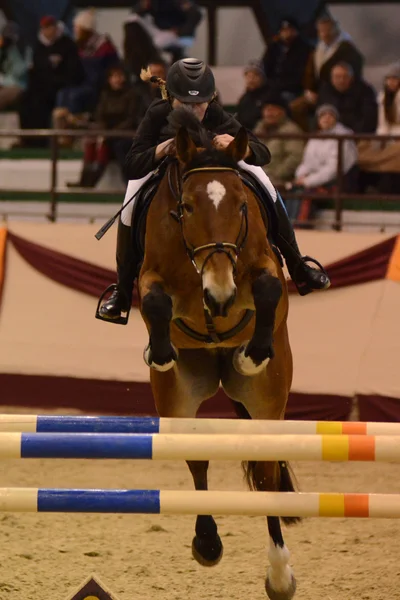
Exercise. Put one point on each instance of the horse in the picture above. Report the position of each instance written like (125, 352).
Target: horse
(214, 299)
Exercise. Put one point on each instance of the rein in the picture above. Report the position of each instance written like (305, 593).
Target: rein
(232, 251)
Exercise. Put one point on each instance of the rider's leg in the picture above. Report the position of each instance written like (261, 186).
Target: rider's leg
(306, 278)
(127, 262)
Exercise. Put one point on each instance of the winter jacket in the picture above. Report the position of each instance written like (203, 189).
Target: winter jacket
(13, 68)
(325, 57)
(117, 109)
(249, 107)
(286, 154)
(357, 106)
(285, 65)
(384, 127)
(319, 164)
(55, 65)
(154, 129)
(98, 54)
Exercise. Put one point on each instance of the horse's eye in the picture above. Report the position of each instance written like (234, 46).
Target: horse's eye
(187, 208)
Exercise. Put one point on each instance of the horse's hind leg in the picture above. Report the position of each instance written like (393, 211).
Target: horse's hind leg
(179, 393)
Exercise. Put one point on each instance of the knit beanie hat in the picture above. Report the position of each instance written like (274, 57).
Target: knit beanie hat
(393, 70)
(256, 66)
(86, 19)
(324, 108)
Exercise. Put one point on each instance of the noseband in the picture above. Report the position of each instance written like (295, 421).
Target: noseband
(231, 249)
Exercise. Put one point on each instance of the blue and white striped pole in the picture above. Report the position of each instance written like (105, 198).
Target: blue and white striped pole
(110, 424)
(200, 447)
(276, 504)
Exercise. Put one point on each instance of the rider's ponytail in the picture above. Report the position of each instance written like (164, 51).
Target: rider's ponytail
(145, 75)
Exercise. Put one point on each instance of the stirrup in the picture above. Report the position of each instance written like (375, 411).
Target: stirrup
(303, 287)
(124, 316)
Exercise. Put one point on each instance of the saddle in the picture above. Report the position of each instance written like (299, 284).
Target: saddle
(149, 189)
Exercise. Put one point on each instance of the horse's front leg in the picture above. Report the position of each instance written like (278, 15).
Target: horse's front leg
(253, 356)
(156, 307)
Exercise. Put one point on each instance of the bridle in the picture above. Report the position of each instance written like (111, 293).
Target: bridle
(231, 249)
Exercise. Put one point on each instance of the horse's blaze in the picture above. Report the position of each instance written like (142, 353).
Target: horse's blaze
(245, 365)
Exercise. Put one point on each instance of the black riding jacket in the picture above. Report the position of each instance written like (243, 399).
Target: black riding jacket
(155, 129)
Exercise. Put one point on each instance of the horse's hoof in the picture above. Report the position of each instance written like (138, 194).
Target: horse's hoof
(245, 365)
(207, 553)
(280, 595)
(160, 365)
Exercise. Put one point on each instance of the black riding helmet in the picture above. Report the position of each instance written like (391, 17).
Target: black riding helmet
(191, 80)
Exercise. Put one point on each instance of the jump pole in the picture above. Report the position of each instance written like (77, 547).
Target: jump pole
(274, 504)
(110, 424)
(201, 447)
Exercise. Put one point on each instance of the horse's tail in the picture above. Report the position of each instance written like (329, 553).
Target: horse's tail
(251, 469)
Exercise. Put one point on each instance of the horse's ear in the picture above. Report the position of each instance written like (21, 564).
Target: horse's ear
(237, 149)
(185, 147)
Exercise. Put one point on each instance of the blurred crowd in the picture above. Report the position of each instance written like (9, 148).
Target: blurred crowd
(302, 87)
(79, 80)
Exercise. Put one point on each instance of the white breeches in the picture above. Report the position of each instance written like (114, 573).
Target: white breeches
(262, 177)
(135, 184)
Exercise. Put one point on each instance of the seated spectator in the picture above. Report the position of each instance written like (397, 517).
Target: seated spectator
(318, 169)
(193, 17)
(250, 103)
(354, 99)
(381, 159)
(117, 111)
(13, 67)
(55, 65)
(285, 61)
(98, 54)
(334, 46)
(286, 153)
(146, 91)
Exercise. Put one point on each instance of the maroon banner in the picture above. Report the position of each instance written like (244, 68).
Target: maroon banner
(368, 265)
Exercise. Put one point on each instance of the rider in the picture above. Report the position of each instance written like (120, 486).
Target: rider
(191, 82)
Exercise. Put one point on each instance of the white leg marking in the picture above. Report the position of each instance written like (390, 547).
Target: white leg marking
(245, 364)
(216, 192)
(150, 363)
(221, 289)
(280, 573)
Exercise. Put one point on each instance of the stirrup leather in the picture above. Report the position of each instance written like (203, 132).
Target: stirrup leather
(124, 316)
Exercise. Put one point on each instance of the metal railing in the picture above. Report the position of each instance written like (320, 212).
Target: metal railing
(337, 195)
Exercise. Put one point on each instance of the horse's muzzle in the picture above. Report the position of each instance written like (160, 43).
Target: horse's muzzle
(218, 308)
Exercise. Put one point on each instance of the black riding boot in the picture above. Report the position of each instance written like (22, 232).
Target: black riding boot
(116, 308)
(305, 278)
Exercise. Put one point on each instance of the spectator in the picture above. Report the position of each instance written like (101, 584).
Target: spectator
(285, 61)
(13, 67)
(55, 65)
(249, 106)
(318, 168)
(117, 111)
(334, 46)
(286, 153)
(389, 103)
(139, 46)
(380, 160)
(146, 91)
(354, 99)
(98, 54)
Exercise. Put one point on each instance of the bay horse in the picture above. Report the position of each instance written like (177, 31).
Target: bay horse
(215, 303)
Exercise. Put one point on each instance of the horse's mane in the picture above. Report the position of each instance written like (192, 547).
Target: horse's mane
(209, 156)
